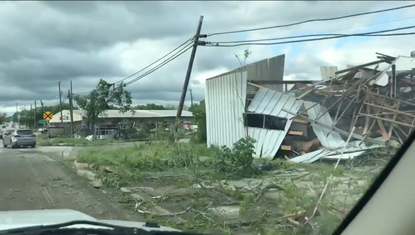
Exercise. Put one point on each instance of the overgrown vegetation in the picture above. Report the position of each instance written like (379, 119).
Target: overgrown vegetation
(199, 112)
(67, 141)
(197, 184)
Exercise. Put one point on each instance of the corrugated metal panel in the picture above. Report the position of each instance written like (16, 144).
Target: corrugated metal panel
(325, 154)
(311, 156)
(354, 149)
(329, 141)
(225, 104)
(268, 69)
(328, 72)
(272, 103)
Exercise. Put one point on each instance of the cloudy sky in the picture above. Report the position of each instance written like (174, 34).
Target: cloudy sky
(42, 43)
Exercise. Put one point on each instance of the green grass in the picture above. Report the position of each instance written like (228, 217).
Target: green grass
(59, 141)
(159, 164)
(146, 161)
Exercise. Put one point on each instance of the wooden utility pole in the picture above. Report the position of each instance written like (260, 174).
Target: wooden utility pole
(34, 116)
(191, 97)
(18, 116)
(30, 113)
(60, 101)
(71, 108)
(189, 71)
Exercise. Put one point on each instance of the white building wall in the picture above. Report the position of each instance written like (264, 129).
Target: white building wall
(66, 117)
(225, 104)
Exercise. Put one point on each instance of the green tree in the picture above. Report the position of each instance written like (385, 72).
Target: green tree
(3, 117)
(170, 107)
(151, 106)
(199, 112)
(102, 98)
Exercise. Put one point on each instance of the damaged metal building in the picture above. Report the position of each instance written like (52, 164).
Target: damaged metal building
(315, 119)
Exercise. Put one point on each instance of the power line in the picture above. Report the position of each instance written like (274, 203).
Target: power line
(367, 25)
(179, 53)
(312, 20)
(370, 34)
(183, 44)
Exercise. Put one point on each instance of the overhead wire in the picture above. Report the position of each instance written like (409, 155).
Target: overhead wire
(179, 53)
(253, 43)
(139, 71)
(369, 34)
(184, 46)
(312, 20)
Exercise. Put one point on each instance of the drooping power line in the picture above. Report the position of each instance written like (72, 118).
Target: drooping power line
(141, 70)
(183, 46)
(313, 20)
(179, 53)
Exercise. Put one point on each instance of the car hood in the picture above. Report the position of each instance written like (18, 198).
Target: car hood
(18, 219)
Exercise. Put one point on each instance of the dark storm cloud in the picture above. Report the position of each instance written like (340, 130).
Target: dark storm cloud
(46, 42)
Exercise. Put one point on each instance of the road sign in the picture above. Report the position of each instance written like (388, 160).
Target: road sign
(43, 122)
(47, 115)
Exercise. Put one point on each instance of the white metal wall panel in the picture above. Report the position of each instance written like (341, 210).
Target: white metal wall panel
(225, 104)
(270, 102)
(329, 141)
(328, 72)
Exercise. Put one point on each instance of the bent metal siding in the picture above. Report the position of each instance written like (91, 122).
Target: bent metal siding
(270, 102)
(225, 104)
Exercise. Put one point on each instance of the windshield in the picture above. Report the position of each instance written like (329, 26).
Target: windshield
(256, 118)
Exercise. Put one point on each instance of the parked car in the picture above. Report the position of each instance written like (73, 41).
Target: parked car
(43, 130)
(19, 138)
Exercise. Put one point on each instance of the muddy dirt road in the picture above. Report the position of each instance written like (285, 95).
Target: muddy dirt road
(30, 180)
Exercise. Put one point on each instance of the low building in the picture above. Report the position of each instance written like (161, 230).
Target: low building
(144, 116)
(79, 117)
(115, 116)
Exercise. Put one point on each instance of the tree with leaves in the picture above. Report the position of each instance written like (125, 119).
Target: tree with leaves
(199, 112)
(102, 98)
(153, 106)
(3, 117)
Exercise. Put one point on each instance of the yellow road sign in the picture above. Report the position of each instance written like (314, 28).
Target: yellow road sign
(47, 115)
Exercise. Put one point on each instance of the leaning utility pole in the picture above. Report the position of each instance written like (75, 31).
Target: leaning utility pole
(17, 115)
(191, 97)
(189, 71)
(60, 101)
(71, 108)
(30, 111)
(34, 116)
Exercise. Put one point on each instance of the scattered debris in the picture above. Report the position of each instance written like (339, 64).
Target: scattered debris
(312, 121)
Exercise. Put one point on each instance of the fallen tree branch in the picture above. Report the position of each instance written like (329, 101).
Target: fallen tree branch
(138, 204)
